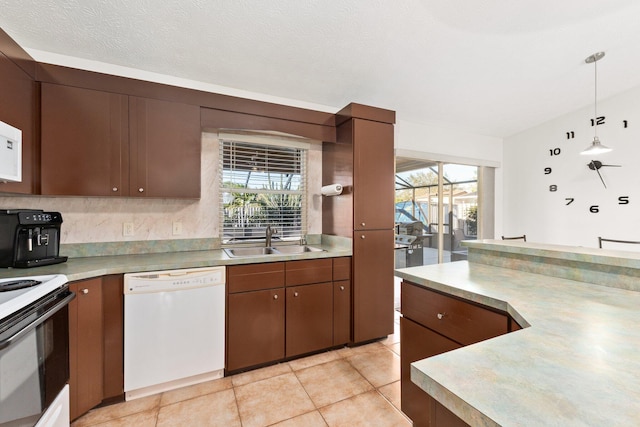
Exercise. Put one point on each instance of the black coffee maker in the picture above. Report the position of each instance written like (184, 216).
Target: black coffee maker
(29, 238)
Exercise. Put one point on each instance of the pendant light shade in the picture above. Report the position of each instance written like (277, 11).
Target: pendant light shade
(596, 146)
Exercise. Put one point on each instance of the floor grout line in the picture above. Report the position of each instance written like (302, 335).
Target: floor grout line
(342, 354)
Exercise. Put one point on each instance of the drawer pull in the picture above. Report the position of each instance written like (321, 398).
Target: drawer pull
(441, 315)
(85, 291)
(295, 294)
(342, 288)
(275, 296)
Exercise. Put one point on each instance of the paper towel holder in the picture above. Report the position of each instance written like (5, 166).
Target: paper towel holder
(331, 190)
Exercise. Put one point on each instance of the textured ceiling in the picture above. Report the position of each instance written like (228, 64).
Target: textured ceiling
(494, 67)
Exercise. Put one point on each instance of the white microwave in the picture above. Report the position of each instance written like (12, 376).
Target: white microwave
(10, 153)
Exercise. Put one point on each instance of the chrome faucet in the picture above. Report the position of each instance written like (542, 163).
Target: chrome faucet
(270, 232)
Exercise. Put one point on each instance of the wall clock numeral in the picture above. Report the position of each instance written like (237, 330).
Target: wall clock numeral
(597, 121)
(553, 187)
(623, 200)
(547, 171)
(625, 124)
(594, 209)
(555, 151)
(569, 200)
(571, 134)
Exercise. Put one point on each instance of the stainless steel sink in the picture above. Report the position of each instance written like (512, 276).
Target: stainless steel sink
(261, 251)
(296, 249)
(243, 252)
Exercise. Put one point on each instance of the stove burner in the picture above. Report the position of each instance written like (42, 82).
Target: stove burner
(18, 284)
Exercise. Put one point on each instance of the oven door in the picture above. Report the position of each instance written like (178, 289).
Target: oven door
(34, 359)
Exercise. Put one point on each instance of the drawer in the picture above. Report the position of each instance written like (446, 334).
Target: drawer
(308, 271)
(459, 320)
(342, 268)
(255, 277)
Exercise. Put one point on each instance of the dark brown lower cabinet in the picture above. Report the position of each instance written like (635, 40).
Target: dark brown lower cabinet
(113, 343)
(372, 284)
(442, 417)
(341, 312)
(255, 328)
(309, 314)
(286, 309)
(417, 343)
(434, 323)
(85, 346)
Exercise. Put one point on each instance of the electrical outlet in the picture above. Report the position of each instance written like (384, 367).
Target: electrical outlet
(127, 229)
(177, 228)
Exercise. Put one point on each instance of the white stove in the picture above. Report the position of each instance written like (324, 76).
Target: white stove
(34, 349)
(14, 300)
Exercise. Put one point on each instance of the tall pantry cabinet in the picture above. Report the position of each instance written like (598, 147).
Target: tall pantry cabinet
(362, 160)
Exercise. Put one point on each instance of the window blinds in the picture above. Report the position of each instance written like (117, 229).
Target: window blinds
(262, 185)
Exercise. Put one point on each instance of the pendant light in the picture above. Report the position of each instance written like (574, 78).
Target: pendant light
(595, 147)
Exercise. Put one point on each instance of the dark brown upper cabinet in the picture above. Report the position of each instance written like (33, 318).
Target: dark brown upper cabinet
(18, 109)
(373, 175)
(97, 143)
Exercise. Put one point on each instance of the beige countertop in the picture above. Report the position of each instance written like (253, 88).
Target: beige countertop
(576, 363)
(88, 267)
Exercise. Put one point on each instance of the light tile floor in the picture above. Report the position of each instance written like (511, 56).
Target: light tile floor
(352, 387)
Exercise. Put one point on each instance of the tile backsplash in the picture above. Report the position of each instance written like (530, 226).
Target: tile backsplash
(100, 219)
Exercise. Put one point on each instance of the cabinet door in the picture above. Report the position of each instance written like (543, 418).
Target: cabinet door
(372, 284)
(18, 109)
(113, 325)
(416, 343)
(341, 312)
(85, 149)
(309, 318)
(85, 346)
(255, 328)
(373, 175)
(165, 148)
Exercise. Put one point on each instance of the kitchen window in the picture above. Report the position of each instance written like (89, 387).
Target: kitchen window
(263, 183)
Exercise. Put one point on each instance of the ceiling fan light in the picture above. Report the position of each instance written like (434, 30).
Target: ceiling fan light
(595, 148)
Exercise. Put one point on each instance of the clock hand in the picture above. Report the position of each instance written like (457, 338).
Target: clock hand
(597, 164)
(597, 169)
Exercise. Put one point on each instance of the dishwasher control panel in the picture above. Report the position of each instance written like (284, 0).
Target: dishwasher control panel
(173, 280)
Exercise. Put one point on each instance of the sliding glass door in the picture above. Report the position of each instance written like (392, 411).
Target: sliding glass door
(436, 209)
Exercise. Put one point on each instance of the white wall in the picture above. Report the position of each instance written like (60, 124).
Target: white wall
(543, 215)
(434, 142)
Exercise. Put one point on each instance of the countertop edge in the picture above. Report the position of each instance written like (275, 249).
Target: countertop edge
(90, 267)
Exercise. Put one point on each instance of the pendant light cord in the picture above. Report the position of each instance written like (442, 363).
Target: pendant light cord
(595, 103)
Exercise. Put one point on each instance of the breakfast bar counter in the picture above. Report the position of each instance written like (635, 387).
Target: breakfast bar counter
(574, 363)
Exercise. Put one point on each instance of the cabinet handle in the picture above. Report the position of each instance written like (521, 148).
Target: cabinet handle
(85, 291)
(275, 296)
(295, 294)
(114, 189)
(441, 316)
(141, 190)
(363, 224)
(342, 288)
(362, 237)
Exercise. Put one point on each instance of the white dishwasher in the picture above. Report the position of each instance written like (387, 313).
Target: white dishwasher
(173, 329)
